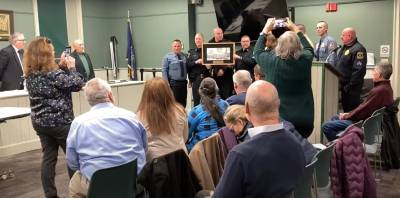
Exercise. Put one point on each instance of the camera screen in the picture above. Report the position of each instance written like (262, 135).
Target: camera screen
(67, 51)
(280, 23)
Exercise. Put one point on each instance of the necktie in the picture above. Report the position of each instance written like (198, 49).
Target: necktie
(319, 46)
(181, 64)
(21, 54)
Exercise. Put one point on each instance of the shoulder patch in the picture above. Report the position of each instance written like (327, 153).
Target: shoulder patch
(360, 55)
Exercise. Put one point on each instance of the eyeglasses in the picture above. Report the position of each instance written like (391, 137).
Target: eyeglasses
(23, 40)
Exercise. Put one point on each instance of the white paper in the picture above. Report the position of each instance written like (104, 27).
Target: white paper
(370, 59)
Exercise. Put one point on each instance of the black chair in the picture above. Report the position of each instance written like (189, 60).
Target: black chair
(119, 181)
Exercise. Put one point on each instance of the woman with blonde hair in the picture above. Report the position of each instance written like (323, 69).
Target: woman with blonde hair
(288, 68)
(165, 120)
(49, 86)
(235, 120)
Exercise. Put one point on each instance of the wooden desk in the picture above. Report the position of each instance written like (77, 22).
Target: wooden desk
(9, 113)
(18, 135)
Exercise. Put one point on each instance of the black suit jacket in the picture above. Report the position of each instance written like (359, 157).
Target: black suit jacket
(11, 74)
(81, 68)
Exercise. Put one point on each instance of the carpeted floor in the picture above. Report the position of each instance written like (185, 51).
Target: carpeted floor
(27, 184)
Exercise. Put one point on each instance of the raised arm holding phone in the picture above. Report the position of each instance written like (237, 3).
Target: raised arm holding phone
(288, 68)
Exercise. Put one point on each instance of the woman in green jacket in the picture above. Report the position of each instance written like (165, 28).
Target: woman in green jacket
(288, 67)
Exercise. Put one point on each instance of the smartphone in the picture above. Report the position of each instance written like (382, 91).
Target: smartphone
(67, 51)
(280, 23)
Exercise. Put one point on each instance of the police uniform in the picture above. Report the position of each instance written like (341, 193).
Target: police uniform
(352, 60)
(174, 70)
(246, 61)
(324, 48)
(224, 82)
(196, 72)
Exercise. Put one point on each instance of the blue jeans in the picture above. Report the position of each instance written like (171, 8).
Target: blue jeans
(335, 126)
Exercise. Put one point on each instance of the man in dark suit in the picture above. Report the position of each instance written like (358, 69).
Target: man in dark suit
(83, 63)
(11, 69)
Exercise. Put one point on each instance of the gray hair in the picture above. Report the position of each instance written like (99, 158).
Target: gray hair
(97, 91)
(385, 69)
(242, 78)
(14, 36)
(289, 46)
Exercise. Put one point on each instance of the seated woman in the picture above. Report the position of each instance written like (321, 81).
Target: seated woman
(206, 118)
(164, 119)
(235, 120)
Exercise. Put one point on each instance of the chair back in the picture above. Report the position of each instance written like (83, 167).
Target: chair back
(381, 110)
(357, 124)
(119, 181)
(323, 164)
(371, 128)
(303, 188)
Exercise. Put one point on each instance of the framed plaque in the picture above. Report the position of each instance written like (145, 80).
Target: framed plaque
(218, 53)
(6, 24)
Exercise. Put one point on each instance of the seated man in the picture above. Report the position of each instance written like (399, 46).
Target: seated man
(379, 96)
(271, 162)
(241, 81)
(104, 137)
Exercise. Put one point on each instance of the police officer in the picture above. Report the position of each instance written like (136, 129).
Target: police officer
(222, 74)
(352, 60)
(196, 70)
(174, 70)
(326, 44)
(244, 57)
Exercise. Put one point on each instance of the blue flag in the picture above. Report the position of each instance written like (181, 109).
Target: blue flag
(130, 54)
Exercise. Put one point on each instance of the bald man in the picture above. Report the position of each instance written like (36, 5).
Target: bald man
(271, 162)
(196, 70)
(352, 60)
(326, 44)
(222, 74)
(83, 63)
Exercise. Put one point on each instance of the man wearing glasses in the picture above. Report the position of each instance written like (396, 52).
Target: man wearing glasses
(11, 63)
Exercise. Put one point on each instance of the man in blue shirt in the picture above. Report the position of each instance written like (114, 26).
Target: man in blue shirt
(174, 70)
(241, 81)
(269, 164)
(104, 137)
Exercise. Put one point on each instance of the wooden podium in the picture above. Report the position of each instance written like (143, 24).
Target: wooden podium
(325, 86)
